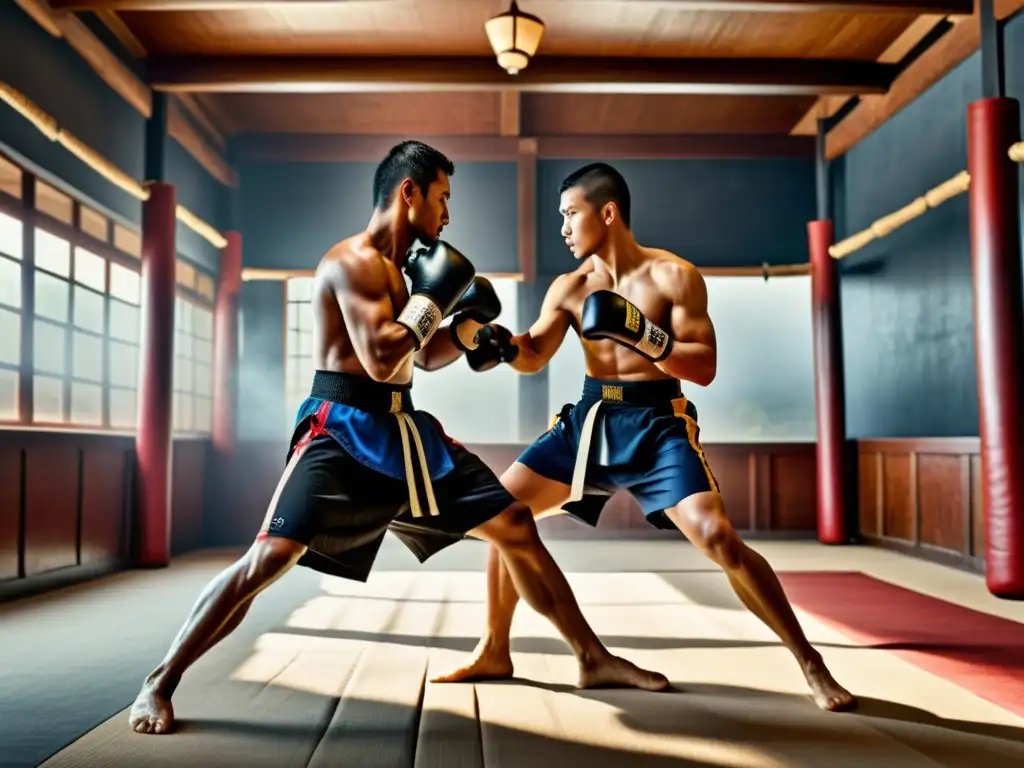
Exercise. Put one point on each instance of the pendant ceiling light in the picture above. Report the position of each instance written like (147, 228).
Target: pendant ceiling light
(514, 36)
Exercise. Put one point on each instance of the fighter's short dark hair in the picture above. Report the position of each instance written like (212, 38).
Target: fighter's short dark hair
(408, 160)
(601, 184)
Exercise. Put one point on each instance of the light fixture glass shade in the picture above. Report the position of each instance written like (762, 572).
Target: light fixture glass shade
(512, 61)
(514, 37)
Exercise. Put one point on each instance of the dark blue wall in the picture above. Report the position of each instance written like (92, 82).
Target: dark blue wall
(292, 213)
(202, 194)
(907, 302)
(711, 212)
(50, 73)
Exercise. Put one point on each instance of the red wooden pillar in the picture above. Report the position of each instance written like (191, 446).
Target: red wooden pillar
(828, 385)
(153, 444)
(992, 126)
(225, 346)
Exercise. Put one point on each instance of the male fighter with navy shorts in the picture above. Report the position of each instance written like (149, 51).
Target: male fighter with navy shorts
(362, 460)
(642, 316)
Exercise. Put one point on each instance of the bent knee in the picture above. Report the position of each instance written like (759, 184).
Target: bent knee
(515, 527)
(719, 541)
(267, 559)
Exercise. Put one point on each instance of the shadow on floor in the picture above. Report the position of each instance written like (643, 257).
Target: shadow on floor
(546, 645)
(868, 708)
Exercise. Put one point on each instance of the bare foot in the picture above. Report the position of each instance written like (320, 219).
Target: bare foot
(488, 664)
(613, 671)
(828, 694)
(152, 711)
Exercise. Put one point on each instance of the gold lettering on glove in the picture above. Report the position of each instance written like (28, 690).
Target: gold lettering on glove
(632, 317)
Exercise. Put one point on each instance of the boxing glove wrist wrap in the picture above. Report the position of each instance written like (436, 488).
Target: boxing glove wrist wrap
(654, 343)
(422, 317)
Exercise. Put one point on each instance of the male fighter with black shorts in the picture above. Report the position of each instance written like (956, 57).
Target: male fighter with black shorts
(362, 460)
(642, 317)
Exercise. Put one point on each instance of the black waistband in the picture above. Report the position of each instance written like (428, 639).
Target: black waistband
(361, 392)
(643, 393)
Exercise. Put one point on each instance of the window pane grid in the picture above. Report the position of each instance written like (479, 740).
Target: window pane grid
(72, 344)
(298, 368)
(193, 372)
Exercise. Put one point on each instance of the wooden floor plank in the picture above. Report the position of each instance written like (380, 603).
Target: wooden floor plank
(327, 672)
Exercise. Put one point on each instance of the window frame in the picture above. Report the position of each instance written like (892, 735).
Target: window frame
(25, 210)
(193, 297)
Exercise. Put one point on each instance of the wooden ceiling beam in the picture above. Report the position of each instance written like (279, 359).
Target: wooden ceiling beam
(872, 111)
(827, 106)
(121, 31)
(551, 74)
(727, 6)
(328, 148)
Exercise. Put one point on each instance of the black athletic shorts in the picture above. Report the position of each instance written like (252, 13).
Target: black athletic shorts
(347, 480)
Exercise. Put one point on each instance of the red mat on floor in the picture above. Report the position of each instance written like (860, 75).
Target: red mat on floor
(977, 651)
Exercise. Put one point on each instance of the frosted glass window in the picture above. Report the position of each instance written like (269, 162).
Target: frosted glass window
(10, 337)
(764, 389)
(123, 413)
(88, 310)
(90, 270)
(53, 253)
(12, 236)
(8, 395)
(48, 399)
(124, 284)
(202, 414)
(124, 322)
(10, 283)
(48, 347)
(51, 297)
(124, 365)
(86, 403)
(87, 356)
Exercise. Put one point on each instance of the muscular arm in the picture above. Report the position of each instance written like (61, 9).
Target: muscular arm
(694, 353)
(538, 345)
(361, 288)
(440, 351)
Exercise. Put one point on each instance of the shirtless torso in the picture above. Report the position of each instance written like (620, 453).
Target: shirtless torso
(665, 288)
(357, 293)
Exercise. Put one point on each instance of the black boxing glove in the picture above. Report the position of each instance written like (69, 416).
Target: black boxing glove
(439, 275)
(481, 305)
(606, 315)
(493, 346)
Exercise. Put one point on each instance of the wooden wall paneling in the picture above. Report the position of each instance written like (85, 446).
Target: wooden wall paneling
(896, 500)
(912, 499)
(730, 466)
(868, 496)
(51, 507)
(942, 496)
(794, 484)
(103, 504)
(10, 511)
(782, 487)
(922, 497)
(763, 514)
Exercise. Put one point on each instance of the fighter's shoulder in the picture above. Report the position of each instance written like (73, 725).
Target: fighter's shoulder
(674, 274)
(568, 284)
(353, 262)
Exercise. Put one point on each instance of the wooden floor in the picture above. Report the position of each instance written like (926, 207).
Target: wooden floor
(328, 672)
